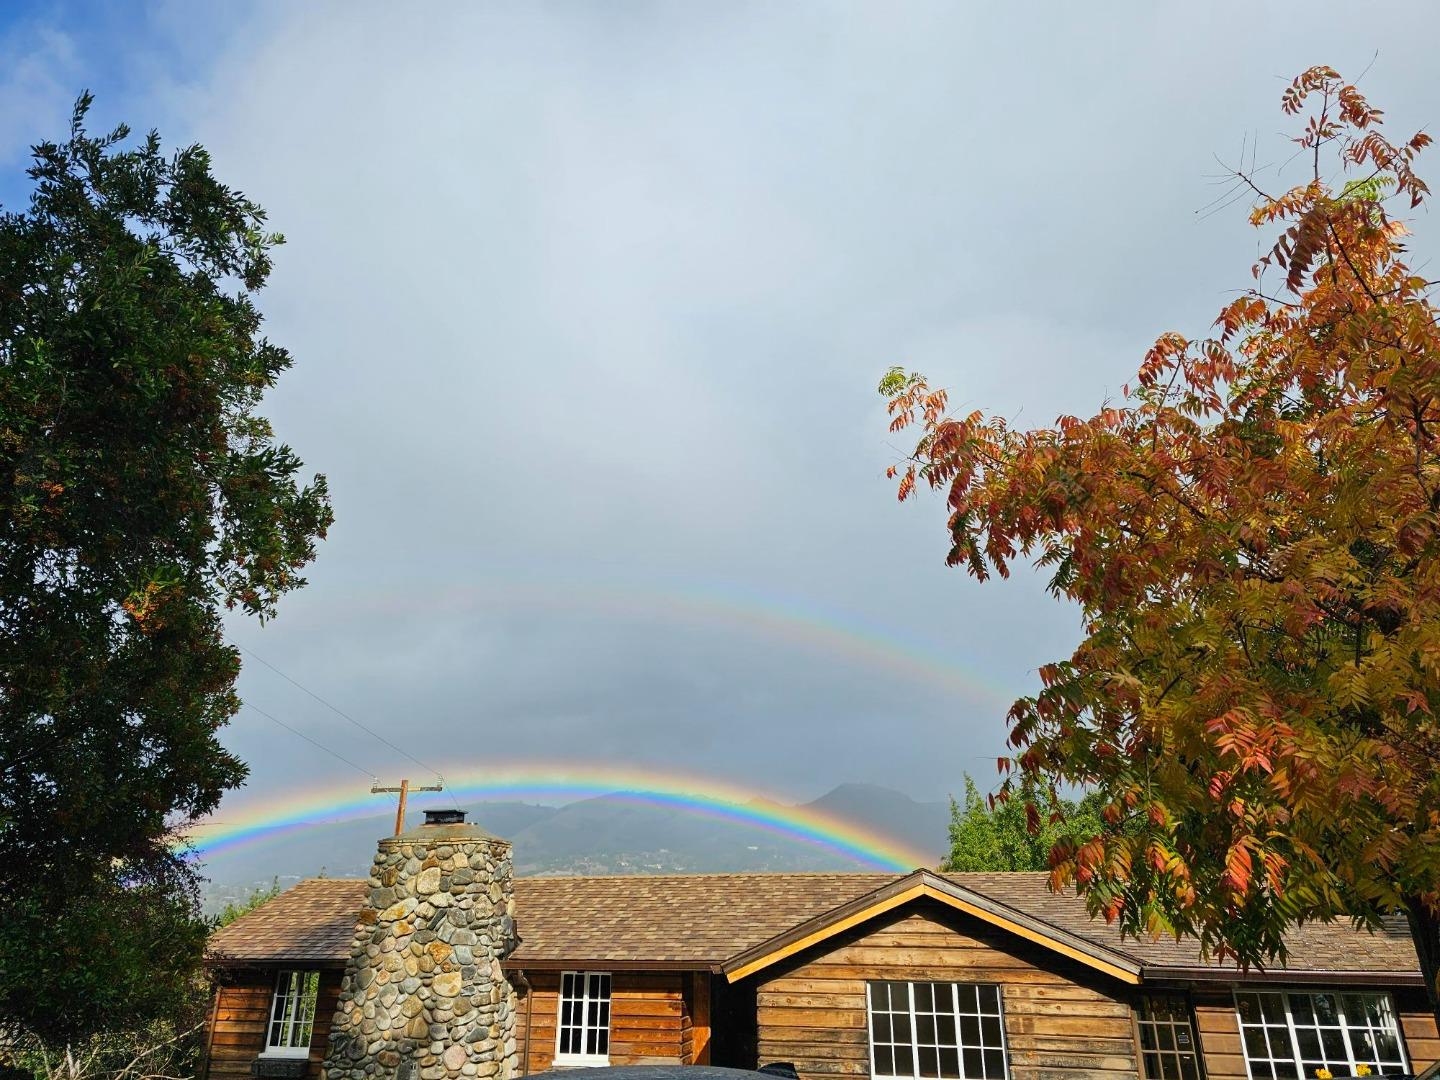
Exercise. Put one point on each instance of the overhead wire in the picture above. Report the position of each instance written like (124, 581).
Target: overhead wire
(341, 713)
(312, 742)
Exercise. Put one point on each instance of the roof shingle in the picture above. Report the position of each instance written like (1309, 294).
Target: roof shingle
(705, 919)
(694, 918)
(313, 921)
(1333, 946)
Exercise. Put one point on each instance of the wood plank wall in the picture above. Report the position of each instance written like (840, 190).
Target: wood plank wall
(701, 1020)
(1417, 1024)
(1218, 1029)
(1062, 1020)
(241, 1011)
(650, 1020)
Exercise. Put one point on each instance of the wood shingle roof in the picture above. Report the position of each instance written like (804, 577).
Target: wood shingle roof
(704, 920)
(695, 919)
(1319, 947)
(313, 921)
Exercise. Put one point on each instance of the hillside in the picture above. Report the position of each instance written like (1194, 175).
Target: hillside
(606, 835)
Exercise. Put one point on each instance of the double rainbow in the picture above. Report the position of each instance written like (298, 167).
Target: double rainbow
(829, 633)
(548, 781)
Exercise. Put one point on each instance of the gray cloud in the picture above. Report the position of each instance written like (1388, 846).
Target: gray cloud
(588, 305)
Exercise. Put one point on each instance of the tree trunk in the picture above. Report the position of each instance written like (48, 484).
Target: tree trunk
(1425, 929)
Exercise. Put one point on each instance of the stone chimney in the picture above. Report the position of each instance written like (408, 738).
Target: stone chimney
(424, 996)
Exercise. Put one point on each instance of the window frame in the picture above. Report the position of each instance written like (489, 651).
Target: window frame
(1284, 992)
(1184, 1000)
(960, 1046)
(298, 977)
(583, 980)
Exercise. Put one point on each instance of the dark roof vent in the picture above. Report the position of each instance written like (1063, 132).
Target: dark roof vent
(444, 817)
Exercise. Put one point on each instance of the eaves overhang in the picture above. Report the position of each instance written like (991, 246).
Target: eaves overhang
(925, 885)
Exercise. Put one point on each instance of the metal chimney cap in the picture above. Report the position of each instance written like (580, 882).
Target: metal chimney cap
(445, 826)
(445, 817)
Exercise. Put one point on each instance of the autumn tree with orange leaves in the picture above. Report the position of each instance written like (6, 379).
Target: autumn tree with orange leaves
(1253, 538)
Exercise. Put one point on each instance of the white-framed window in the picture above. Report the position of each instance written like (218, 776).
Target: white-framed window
(953, 1031)
(1167, 1038)
(1290, 1034)
(292, 1013)
(582, 1031)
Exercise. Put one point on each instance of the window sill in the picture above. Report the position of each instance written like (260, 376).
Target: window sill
(270, 1066)
(582, 1061)
(287, 1053)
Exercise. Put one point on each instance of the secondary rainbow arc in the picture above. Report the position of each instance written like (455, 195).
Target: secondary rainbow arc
(262, 820)
(802, 624)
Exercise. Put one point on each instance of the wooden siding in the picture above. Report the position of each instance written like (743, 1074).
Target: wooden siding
(700, 1019)
(1218, 1029)
(650, 1019)
(240, 1012)
(1062, 1021)
(1417, 1024)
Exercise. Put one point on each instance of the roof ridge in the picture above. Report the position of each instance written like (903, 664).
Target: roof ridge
(997, 873)
(707, 874)
(715, 874)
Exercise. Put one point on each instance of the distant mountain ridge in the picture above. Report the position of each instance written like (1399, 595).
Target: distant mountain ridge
(922, 825)
(609, 834)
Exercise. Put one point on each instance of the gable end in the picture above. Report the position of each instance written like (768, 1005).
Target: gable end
(925, 885)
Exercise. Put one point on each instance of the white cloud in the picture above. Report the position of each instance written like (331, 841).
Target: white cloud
(39, 69)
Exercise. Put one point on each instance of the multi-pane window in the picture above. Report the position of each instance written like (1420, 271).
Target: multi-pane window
(944, 1030)
(1167, 1038)
(1289, 1036)
(292, 1013)
(582, 1036)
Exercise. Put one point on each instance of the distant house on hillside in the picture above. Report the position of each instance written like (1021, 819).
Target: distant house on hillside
(962, 976)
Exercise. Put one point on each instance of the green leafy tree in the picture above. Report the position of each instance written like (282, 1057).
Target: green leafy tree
(1000, 836)
(141, 495)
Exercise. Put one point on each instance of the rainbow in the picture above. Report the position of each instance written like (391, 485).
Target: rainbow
(804, 624)
(258, 821)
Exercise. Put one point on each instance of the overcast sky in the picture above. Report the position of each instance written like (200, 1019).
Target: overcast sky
(588, 303)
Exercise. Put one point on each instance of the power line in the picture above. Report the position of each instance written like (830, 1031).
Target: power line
(312, 742)
(340, 712)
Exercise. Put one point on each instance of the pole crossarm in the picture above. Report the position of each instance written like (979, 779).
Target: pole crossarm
(403, 791)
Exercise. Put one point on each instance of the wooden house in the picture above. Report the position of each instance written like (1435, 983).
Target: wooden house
(959, 976)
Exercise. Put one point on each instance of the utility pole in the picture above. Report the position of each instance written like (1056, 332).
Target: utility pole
(403, 790)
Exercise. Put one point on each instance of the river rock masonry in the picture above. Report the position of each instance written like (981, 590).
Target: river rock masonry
(424, 995)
